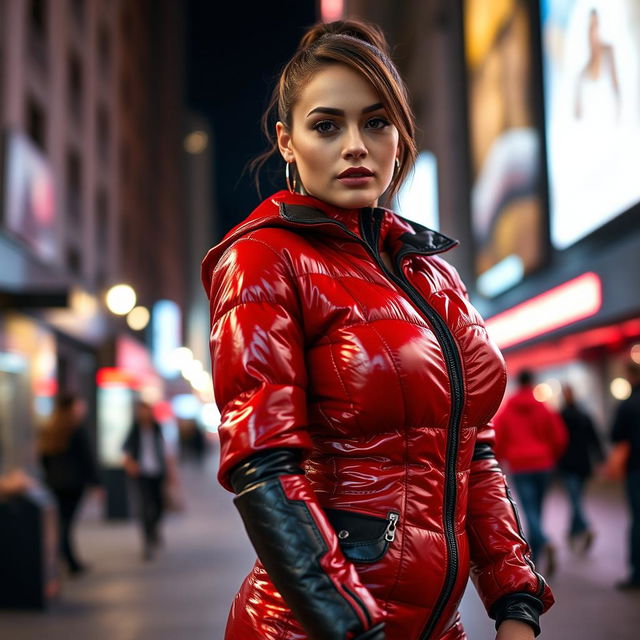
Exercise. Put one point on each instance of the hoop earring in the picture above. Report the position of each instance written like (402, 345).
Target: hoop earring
(292, 189)
(397, 167)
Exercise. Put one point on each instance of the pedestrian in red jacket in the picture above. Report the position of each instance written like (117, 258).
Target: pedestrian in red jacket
(356, 383)
(530, 438)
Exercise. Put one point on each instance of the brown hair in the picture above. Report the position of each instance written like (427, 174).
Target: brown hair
(56, 432)
(361, 47)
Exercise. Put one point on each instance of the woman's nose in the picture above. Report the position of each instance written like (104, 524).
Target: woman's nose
(354, 147)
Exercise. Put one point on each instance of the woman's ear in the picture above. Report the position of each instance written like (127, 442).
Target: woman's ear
(284, 142)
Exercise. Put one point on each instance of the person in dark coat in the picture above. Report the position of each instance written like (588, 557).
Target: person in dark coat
(626, 429)
(576, 466)
(146, 463)
(69, 467)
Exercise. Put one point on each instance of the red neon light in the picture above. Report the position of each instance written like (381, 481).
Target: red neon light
(113, 376)
(570, 302)
(574, 346)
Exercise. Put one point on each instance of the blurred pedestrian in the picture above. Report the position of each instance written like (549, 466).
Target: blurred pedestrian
(626, 433)
(530, 438)
(146, 464)
(193, 443)
(354, 384)
(69, 467)
(576, 466)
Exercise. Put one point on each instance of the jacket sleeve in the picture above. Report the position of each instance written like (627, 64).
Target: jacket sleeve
(127, 445)
(257, 353)
(501, 565)
(596, 451)
(622, 424)
(558, 435)
(86, 458)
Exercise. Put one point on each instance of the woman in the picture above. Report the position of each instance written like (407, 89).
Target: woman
(69, 468)
(356, 382)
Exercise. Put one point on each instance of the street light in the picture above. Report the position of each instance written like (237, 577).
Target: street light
(620, 388)
(191, 369)
(201, 381)
(182, 356)
(196, 142)
(121, 298)
(138, 318)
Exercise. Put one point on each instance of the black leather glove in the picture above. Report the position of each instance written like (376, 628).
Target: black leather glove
(294, 541)
(375, 633)
(518, 606)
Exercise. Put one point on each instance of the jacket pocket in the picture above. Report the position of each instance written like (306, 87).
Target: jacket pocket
(363, 538)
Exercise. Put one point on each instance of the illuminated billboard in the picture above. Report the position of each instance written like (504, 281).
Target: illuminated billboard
(417, 198)
(506, 207)
(29, 196)
(591, 51)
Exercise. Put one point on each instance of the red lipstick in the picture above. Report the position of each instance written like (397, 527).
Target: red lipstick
(356, 177)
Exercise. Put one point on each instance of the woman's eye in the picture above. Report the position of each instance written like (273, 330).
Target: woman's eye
(324, 126)
(377, 123)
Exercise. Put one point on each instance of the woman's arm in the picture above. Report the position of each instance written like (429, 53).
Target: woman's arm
(515, 630)
(259, 372)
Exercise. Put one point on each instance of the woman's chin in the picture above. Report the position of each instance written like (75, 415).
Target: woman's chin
(353, 199)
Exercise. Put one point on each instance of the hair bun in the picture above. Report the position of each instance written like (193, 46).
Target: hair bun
(367, 32)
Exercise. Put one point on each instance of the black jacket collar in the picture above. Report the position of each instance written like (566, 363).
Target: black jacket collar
(423, 240)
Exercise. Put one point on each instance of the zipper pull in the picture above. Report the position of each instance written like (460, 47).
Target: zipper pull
(390, 531)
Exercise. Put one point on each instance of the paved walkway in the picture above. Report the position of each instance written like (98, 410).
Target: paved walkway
(186, 591)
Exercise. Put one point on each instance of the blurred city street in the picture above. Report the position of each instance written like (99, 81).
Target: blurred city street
(186, 591)
(131, 159)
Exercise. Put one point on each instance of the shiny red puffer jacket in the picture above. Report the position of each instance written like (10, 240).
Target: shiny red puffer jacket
(385, 377)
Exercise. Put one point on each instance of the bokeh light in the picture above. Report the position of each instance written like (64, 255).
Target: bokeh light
(620, 388)
(121, 298)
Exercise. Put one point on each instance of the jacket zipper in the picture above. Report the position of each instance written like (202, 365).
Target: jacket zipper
(454, 369)
(390, 531)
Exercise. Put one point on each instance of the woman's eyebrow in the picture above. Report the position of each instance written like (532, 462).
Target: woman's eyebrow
(340, 112)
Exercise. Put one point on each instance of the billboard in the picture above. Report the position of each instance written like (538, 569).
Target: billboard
(591, 61)
(506, 206)
(29, 196)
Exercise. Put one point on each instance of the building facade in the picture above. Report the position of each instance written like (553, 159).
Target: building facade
(92, 189)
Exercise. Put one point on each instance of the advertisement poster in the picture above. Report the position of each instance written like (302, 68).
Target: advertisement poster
(592, 106)
(29, 196)
(115, 416)
(506, 208)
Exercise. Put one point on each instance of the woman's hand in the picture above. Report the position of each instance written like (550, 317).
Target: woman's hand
(515, 630)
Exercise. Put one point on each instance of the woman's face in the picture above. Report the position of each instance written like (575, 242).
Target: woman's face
(340, 125)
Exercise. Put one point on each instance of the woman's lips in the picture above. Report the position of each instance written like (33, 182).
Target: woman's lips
(356, 181)
(356, 177)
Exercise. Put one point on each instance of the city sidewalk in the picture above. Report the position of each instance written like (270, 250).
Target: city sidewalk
(186, 591)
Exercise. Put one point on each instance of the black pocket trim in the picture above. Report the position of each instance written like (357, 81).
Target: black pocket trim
(362, 538)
